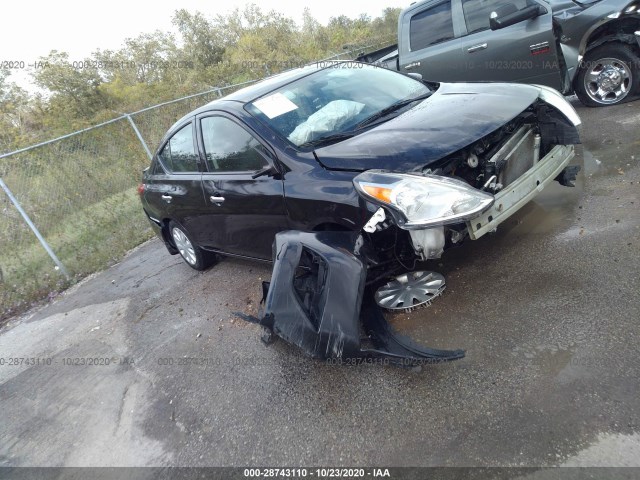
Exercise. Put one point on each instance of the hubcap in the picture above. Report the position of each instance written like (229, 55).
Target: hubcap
(410, 290)
(184, 246)
(608, 80)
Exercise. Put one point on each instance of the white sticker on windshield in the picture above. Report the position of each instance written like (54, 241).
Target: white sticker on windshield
(275, 105)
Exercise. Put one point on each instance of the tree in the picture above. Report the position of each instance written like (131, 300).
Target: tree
(245, 44)
(201, 42)
(74, 95)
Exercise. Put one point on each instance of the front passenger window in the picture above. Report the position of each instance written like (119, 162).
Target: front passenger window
(478, 12)
(229, 147)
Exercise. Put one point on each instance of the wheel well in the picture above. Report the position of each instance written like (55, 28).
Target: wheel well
(164, 228)
(621, 30)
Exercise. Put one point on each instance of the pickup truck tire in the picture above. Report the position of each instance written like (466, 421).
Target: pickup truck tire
(607, 75)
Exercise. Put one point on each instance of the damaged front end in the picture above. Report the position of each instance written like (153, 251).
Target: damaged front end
(472, 191)
(321, 296)
(318, 300)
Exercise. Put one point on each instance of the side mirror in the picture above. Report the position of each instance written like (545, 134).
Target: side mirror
(415, 75)
(505, 16)
(268, 170)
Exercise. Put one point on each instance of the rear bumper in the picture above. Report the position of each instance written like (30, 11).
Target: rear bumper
(522, 190)
(156, 226)
(155, 223)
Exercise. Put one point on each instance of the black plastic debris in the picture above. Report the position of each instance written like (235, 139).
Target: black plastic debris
(567, 177)
(317, 300)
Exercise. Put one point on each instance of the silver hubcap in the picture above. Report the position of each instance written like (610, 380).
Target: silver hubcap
(184, 246)
(608, 80)
(410, 290)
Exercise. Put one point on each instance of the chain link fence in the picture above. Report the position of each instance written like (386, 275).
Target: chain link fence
(69, 206)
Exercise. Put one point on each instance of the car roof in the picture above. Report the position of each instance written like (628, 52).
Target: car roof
(250, 93)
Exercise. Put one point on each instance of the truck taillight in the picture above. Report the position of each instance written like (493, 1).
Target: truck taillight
(141, 189)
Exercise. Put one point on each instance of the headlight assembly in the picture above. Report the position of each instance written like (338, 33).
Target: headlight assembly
(422, 201)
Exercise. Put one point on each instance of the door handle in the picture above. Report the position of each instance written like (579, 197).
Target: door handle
(167, 198)
(475, 48)
(216, 199)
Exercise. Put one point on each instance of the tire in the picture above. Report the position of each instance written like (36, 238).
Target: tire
(190, 252)
(608, 75)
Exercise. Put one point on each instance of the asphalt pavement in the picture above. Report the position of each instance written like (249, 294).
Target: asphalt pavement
(144, 364)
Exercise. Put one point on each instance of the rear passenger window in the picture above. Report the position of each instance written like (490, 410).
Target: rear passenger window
(157, 169)
(229, 147)
(431, 26)
(179, 154)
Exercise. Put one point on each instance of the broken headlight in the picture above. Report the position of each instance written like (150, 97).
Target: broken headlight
(422, 201)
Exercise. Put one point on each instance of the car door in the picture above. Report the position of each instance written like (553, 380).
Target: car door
(524, 52)
(173, 189)
(243, 213)
(429, 43)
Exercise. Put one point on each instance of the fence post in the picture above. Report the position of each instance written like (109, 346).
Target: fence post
(33, 228)
(139, 135)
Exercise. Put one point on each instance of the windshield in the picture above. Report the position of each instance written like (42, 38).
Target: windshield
(332, 102)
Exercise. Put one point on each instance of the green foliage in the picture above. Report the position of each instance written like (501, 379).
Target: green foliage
(75, 96)
(14, 113)
(159, 66)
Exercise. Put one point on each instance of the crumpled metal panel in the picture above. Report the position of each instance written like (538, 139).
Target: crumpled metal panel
(315, 292)
(318, 300)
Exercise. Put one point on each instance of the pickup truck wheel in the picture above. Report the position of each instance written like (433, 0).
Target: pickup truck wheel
(608, 74)
(191, 253)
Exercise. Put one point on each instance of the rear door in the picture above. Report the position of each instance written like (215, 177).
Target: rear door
(429, 43)
(242, 213)
(173, 189)
(524, 52)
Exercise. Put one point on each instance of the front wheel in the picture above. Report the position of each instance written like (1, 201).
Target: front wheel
(607, 75)
(191, 253)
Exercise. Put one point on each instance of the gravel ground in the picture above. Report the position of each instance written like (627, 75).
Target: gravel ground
(547, 310)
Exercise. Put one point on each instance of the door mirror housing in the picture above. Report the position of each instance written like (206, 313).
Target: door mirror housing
(415, 75)
(268, 170)
(506, 15)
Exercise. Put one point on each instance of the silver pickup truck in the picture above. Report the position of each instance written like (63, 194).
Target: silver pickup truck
(590, 48)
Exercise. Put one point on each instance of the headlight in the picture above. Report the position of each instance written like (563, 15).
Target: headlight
(421, 201)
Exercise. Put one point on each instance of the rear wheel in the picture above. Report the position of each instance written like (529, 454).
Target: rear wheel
(190, 252)
(608, 75)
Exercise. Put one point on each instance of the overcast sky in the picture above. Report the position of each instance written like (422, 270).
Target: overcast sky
(31, 29)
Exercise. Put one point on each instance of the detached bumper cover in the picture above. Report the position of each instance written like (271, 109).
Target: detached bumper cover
(317, 300)
(522, 190)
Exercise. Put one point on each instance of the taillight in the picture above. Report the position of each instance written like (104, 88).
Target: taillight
(141, 189)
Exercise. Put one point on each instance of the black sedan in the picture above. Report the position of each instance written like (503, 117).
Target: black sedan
(412, 166)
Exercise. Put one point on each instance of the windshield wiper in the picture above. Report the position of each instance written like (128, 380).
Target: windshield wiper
(391, 108)
(328, 139)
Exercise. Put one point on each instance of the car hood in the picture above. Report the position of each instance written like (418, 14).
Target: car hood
(456, 115)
